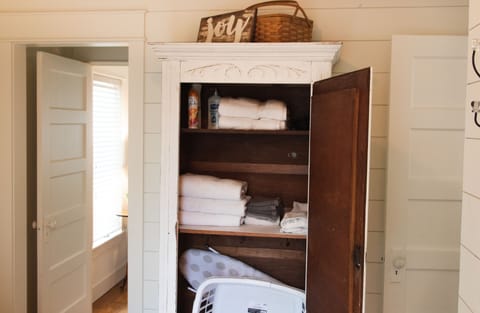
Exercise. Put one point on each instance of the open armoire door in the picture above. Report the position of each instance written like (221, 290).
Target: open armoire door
(338, 180)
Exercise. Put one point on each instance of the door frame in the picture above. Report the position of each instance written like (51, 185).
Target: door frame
(135, 163)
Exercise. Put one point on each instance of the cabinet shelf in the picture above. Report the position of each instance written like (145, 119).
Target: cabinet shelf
(239, 167)
(243, 231)
(245, 132)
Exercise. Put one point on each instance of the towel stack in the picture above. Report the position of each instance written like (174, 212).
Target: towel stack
(263, 211)
(295, 221)
(244, 113)
(211, 201)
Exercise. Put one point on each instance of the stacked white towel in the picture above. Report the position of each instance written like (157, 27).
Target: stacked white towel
(211, 201)
(244, 113)
(296, 220)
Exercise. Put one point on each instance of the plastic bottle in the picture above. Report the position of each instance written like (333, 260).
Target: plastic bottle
(213, 103)
(194, 115)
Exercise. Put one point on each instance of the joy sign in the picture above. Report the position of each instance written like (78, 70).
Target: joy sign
(230, 27)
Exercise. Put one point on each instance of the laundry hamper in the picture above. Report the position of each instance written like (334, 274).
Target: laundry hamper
(244, 295)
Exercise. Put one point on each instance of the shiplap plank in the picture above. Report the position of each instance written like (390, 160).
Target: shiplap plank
(373, 303)
(374, 281)
(471, 171)
(469, 282)
(151, 207)
(462, 307)
(473, 94)
(151, 233)
(152, 118)
(150, 266)
(74, 25)
(379, 121)
(152, 63)
(474, 14)
(331, 24)
(378, 152)
(150, 295)
(233, 5)
(376, 215)
(359, 54)
(153, 87)
(376, 247)
(377, 184)
(151, 177)
(470, 217)
(152, 148)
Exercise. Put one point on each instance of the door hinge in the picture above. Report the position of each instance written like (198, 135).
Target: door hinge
(358, 257)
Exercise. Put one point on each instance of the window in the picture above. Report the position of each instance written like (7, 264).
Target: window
(109, 167)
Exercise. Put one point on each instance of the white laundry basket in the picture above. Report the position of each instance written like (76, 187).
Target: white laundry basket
(243, 295)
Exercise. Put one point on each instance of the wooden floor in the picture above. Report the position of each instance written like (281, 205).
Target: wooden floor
(114, 301)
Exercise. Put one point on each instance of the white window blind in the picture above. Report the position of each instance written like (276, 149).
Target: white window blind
(108, 157)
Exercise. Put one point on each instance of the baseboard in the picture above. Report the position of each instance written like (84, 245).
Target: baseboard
(110, 281)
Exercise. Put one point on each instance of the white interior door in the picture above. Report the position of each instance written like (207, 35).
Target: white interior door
(64, 184)
(424, 178)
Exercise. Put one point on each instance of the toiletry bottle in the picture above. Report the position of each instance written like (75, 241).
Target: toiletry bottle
(213, 103)
(194, 114)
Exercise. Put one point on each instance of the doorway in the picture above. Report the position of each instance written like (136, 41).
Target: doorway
(109, 253)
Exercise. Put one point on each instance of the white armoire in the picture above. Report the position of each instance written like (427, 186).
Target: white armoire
(322, 159)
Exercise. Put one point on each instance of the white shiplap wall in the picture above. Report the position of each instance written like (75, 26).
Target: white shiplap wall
(365, 27)
(469, 300)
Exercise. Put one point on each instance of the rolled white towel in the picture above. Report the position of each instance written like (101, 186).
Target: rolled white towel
(206, 219)
(239, 107)
(205, 186)
(274, 110)
(215, 206)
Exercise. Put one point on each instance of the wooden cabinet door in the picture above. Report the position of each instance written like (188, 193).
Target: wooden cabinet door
(338, 193)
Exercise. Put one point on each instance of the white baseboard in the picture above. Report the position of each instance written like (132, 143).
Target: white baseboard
(103, 286)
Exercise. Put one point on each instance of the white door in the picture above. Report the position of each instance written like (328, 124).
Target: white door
(424, 178)
(64, 184)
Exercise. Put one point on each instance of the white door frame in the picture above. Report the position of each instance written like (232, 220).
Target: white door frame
(126, 28)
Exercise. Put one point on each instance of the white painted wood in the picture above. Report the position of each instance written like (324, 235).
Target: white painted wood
(376, 216)
(472, 170)
(6, 182)
(371, 24)
(469, 283)
(376, 250)
(151, 177)
(151, 207)
(473, 14)
(374, 282)
(38, 26)
(377, 184)
(462, 307)
(378, 156)
(379, 121)
(153, 87)
(473, 94)
(108, 265)
(64, 184)
(373, 303)
(20, 179)
(152, 148)
(152, 116)
(470, 237)
(425, 173)
(135, 174)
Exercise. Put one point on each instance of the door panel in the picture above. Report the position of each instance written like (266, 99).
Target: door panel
(424, 179)
(64, 185)
(338, 193)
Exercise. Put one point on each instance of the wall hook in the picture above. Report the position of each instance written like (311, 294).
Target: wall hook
(475, 109)
(475, 48)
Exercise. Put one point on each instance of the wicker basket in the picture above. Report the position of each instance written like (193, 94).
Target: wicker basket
(282, 27)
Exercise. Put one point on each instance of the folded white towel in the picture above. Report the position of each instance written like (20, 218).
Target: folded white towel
(204, 186)
(249, 220)
(238, 107)
(298, 230)
(228, 122)
(206, 219)
(218, 206)
(273, 109)
(296, 220)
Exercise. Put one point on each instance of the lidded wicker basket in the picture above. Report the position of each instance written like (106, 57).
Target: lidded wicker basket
(282, 27)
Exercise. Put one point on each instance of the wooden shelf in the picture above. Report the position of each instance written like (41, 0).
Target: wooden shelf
(243, 230)
(259, 168)
(245, 132)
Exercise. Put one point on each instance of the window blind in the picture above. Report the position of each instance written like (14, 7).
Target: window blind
(107, 157)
